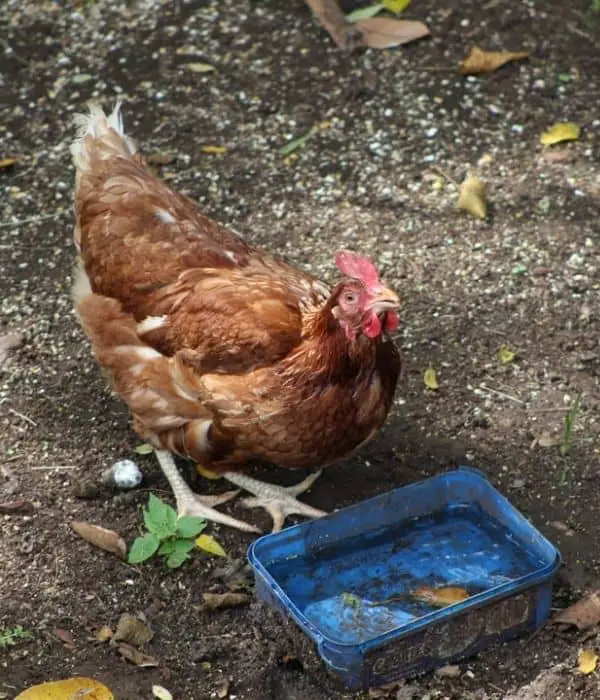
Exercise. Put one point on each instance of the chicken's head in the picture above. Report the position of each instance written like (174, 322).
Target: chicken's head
(363, 303)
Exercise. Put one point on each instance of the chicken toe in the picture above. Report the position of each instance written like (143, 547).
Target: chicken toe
(278, 501)
(190, 503)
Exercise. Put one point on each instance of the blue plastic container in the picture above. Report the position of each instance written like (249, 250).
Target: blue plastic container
(348, 579)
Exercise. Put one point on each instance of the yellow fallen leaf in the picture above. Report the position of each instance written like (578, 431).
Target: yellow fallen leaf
(563, 131)
(199, 67)
(7, 162)
(396, 6)
(210, 545)
(161, 693)
(206, 473)
(588, 660)
(68, 689)
(480, 61)
(144, 449)
(214, 149)
(440, 597)
(471, 197)
(383, 33)
(505, 355)
(430, 379)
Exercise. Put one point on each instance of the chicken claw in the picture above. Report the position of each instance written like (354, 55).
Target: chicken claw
(189, 503)
(278, 501)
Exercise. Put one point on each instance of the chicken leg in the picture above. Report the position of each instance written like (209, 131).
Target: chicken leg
(190, 503)
(278, 501)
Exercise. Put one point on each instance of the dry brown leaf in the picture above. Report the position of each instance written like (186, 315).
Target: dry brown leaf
(471, 197)
(223, 688)
(14, 507)
(384, 33)
(480, 61)
(65, 636)
(136, 656)
(583, 614)
(333, 20)
(68, 689)
(547, 440)
(450, 671)
(215, 601)
(100, 537)
(161, 158)
(8, 342)
(132, 630)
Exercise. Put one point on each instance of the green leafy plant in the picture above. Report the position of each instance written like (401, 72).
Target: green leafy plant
(570, 417)
(10, 637)
(567, 439)
(167, 535)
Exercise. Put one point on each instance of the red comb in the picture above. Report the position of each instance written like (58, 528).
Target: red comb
(358, 267)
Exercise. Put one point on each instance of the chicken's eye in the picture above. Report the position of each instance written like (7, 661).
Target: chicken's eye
(351, 297)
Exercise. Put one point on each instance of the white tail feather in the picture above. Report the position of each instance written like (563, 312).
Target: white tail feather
(107, 136)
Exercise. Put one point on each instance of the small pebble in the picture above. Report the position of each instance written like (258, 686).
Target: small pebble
(450, 671)
(124, 474)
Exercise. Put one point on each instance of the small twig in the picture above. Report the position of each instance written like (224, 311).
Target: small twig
(443, 173)
(438, 69)
(484, 387)
(535, 634)
(54, 467)
(31, 220)
(14, 458)
(22, 415)
(548, 410)
(495, 687)
(581, 33)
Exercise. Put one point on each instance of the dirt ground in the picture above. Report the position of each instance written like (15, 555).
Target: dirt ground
(395, 132)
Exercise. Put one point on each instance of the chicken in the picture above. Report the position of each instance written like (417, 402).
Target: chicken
(224, 354)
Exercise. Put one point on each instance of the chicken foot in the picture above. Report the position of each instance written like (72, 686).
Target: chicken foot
(190, 503)
(278, 501)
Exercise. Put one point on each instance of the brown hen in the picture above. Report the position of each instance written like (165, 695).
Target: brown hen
(223, 353)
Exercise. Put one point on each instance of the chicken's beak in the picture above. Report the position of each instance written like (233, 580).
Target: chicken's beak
(383, 299)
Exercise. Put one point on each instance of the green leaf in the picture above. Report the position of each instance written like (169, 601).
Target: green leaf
(143, 548)
(210, 545)
(365, 12)
(184, 546)
(190, 526)
(505, 355)
(180, 553)
(518, 270)
(175, 560)
(144, 449)
(565, 77)
(396, 6)
(294, 144)
(167, 547)
(160, 518)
